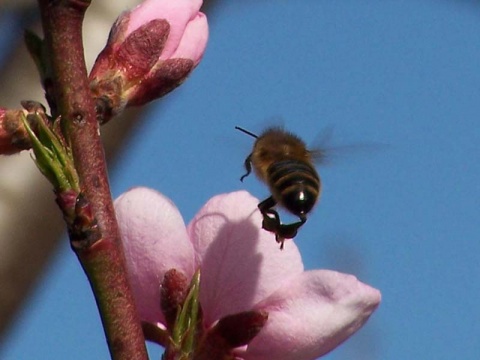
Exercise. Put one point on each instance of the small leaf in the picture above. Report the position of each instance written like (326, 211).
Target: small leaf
(35, 47)
(52, 156)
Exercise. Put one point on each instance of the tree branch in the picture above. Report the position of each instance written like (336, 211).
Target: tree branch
(69, 97)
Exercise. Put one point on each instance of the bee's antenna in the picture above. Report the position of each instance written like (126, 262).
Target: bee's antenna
(246, 132)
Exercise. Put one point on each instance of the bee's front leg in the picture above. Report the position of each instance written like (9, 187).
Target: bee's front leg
(248, 167)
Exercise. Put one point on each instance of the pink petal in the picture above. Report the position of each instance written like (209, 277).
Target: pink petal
(155, 240)
(178, 13)
(193, 42)
(311, 315)
(240, 262)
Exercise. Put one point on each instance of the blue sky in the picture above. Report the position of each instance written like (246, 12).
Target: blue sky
(403, 219)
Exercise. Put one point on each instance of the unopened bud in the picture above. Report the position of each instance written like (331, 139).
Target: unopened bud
(67, 201)
(84, 230)
(150, 51)
(13, 135)
(173, 291)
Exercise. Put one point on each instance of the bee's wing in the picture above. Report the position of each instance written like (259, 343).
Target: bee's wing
(324, 152)
(335, 154)
(319, 156)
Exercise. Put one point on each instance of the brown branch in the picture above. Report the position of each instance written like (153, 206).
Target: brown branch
(70, 98)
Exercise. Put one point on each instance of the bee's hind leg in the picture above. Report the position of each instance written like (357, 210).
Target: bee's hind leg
(288, 231)
(271, 222)
(266, 208)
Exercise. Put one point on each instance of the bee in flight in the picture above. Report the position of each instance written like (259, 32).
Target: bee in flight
(282, 161)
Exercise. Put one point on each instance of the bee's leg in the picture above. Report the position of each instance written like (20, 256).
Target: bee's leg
(270, 223)
(289, 231)
(248, 167)
(266, 208)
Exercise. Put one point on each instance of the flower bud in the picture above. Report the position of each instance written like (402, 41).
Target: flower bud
(84, 230)
(13, 135)
(67, 200)
(172, 295)
(150, 51)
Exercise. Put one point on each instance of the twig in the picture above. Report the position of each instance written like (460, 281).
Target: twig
(69, 97)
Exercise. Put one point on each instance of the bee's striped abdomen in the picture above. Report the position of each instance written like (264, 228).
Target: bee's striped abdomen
(294, 184)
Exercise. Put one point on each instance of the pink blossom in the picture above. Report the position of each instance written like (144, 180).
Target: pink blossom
(150, 51)
(242, 269)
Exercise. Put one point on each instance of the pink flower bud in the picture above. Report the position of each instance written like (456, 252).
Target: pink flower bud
(150, 51)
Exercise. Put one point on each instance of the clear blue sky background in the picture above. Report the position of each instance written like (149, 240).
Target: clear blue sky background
(403, 219)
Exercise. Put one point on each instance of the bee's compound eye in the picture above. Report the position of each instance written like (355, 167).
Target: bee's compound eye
(299, 202)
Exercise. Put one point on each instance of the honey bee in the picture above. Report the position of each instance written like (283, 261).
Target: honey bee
(282, 161)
